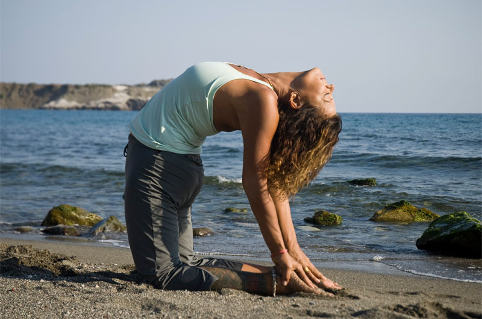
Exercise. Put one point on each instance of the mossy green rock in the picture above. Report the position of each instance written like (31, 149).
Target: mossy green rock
(457, 234)
(202, 232)
(364, 182)
(403, 212)
(235, 210)
(111, 224)
(324, 218)
(70, 215)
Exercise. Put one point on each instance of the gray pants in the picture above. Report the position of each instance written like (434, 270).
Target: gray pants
(160, 189)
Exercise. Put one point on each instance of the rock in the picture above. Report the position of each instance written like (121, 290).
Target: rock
(403, 212)
(23, 229)
(364, 182)
(235, 210)
(111, 224)
(136, 104)
(159, 83)
(324, 218)
(457, 234)
(202, 232)
(70, 215)
(62, 230)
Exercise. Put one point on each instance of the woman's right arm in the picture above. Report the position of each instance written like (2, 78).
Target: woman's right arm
(258, 121)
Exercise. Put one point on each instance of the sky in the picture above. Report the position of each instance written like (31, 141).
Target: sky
(382, 55)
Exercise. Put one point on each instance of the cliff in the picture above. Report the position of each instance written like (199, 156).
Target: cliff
(70, 96)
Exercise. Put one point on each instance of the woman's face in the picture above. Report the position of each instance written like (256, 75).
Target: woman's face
(315, 90)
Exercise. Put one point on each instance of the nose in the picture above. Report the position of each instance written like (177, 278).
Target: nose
(330, 87)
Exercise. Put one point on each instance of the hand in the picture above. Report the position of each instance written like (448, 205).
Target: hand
(313, 273)
(286, 265)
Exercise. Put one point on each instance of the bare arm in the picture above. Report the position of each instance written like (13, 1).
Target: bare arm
(286, 223)
(258, 124)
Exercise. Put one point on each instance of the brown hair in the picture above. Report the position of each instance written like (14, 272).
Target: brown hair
(303, 143)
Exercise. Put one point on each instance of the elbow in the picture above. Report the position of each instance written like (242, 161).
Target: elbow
(249, 185)
(255, 188)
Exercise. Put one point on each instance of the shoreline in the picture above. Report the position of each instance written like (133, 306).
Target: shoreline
(105, 288)
(51, 242)
(373, 266)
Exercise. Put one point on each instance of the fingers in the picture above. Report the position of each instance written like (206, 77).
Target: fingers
(315, 272)
(315, 275)
(302, 274)
(298, 285)
(312, 276)
(311, 272)
(285, 277)
(322, 281)
(329, 284)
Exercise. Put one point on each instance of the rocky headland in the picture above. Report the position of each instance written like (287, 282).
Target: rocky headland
(76, 96)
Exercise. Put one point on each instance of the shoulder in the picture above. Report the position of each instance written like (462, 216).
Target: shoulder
(258, 100)
(266, 96)
(258, 114)
(257, 96)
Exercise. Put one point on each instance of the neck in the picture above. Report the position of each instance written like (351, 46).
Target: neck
(281, 82)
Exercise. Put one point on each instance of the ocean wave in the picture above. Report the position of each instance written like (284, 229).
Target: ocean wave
(208, 149)
(221, 180)
(6, 168)
(397, 161)
(429, 274)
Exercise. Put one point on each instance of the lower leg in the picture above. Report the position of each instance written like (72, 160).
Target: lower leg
(260, 281)
(256, 269)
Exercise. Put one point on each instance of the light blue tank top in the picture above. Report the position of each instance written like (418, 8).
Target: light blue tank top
(179, 117)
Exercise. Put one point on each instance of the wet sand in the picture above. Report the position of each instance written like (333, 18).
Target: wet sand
(52, 279)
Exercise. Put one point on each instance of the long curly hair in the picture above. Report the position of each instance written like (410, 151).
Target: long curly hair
(303, 143)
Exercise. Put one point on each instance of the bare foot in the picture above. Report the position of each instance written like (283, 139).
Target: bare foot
(297, 285)
(328, 284)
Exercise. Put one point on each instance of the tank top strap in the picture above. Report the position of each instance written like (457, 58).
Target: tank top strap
(241, 75)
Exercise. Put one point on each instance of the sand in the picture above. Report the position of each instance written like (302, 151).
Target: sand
(52, 279)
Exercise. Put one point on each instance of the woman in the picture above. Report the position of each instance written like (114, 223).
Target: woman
(289, 126)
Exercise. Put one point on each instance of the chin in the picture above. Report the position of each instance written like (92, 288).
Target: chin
(330, 110)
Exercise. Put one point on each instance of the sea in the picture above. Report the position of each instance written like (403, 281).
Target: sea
(53, 157)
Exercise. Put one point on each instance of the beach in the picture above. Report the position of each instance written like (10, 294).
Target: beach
(76, 280)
